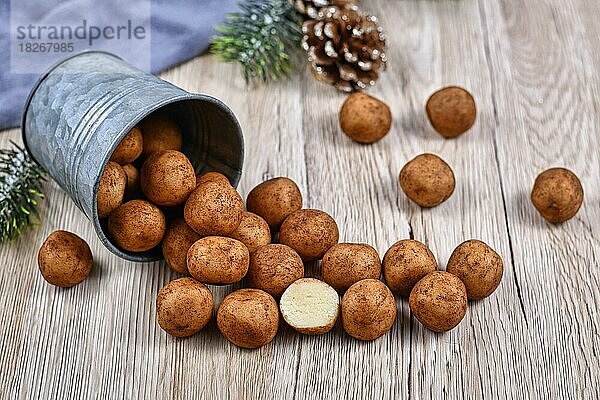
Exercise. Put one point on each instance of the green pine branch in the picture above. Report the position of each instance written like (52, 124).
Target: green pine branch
(261, 38)
(21, 181)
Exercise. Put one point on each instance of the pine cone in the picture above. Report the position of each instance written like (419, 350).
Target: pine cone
(346, 48)
(310, 8)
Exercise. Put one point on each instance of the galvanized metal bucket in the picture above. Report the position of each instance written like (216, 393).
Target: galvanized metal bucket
(81, 108)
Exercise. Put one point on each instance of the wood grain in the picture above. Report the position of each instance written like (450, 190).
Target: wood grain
(532, 67)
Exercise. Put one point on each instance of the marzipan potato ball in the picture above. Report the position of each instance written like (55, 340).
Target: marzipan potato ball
(253, 231)
(130, 147)
(65, 259)
(111, 190)
(368, 309)
(212, 177)
(557, 194)
(405, 263)
(218, 260)
(310, 306)
(274, 200)
(364, 118)
(273, 268)
(183, 307)
(176, 243)
(214, 209)
(427, 180)
(132, 189)
(310, 232)
(167, 178)
(451, 111)
(248, 318)
(439, 301)
(160, 133)
(344, 264)
(137, 225)
(478, 266)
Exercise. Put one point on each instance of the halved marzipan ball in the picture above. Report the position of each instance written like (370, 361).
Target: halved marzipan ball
(214, 209)
(273, 268)
(427, 180)
(137, 225)
(248, 318)
(557, 194)
(274, 200)
(253, 231)
(65, 259)
(160, 133)
(439, 301)
(218, 260)
(132, 189)
(183, 307)
(167, 178)
(310, 306)
(478, 266)
(111, 190)
(212, 177)
(176, 243)
(405, 263)
(364, 118)
(310, 232)
(130, 147)
(344, 264)
(451, 111)
(368, 309)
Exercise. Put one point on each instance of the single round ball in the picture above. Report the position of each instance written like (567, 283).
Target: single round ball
(248, 318)
(344, 264)
(368, 309)
(214, 209)
(212, 177)
(557, 194)
(137, 225)
(111, 190)
(183, 307)
(274, 200)
(167, 178)
(427, 180)
(132, 189)
(273, 268)
(160, 133)
(364, 118)
(451, 111)
(176, 243)
(310, 232)
(130, 147)
(218, 260)
(478, 266)
(253, 231)
(310, 306)
(439, 301)
(65, 259)
(405, 263)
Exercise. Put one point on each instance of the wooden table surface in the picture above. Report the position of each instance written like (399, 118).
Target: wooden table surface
(533, 69)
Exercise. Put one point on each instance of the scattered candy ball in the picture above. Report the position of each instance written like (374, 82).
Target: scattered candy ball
(310, 306)
(65, 259)
(132, 189)
(405, 263)
(439, 301)
(167, 178)
(274, 200)
(364, 118)
(218, 260)
(183, 307)
(212, 177)
(214, 209)
(273, 268)
(451, 111)
(253, 231)
(137, 225)
(248, 318)
(427, 180)
(130, 147)
(344, 264)
(111, 190)
(557, 194)
(368, 309)
(176, 243)
(310, 232)
(478, 266)
(160, 133)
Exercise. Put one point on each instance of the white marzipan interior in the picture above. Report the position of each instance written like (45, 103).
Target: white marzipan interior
(309, 304)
